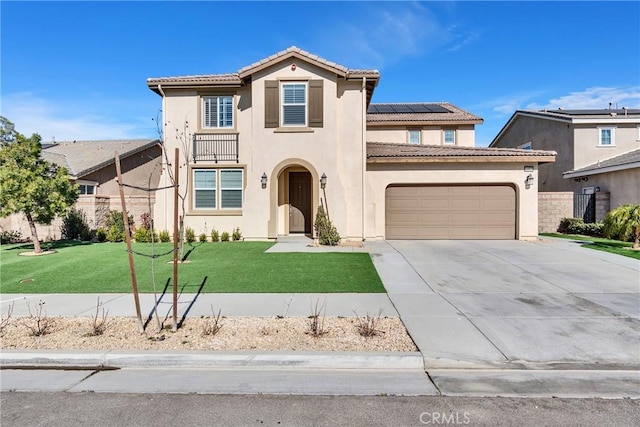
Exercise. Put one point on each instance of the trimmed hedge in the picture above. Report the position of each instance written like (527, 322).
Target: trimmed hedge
(578, 226)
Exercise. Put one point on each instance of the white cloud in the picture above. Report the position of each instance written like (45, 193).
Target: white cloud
(594, 98)
(70, 121)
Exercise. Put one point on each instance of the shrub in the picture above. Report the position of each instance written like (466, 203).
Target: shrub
(101, 234)
(225, 236)
(143, 235)
(114, 234)
(236, 235)
(623, 223)
(10, 237)
(74, 225)
(115, 226)
(578, 226)
(326, 232)
(215, 236)
(164, 236)
(202, 237)
(190, 235)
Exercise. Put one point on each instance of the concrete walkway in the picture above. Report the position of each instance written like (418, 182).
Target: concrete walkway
(489, 318)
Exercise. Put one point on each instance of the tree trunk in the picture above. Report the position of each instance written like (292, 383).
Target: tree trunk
(34, 234)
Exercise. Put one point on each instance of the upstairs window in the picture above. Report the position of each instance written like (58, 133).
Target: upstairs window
(606, 136)
(217, 112)
(449, 136)
(414, 137)
(294, 104)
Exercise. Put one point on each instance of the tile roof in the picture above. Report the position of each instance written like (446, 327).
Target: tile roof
(452, 114)
(84, 157)
(236, 78)
(619, 161)
(391, 151)
(584, 114)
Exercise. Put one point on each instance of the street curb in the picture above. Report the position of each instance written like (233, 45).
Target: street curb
(192, 359)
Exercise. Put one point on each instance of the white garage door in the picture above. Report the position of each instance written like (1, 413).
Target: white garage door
(450, 212)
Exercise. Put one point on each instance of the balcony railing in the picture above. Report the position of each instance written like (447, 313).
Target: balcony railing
(217, 147)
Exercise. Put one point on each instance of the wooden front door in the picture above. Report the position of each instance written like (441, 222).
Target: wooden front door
(299, 202)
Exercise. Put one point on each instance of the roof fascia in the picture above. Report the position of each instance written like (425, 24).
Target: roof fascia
(576, 174)
(286, 56)
(459, 159)
(425, 123)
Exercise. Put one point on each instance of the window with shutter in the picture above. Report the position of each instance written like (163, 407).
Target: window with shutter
(217, 112)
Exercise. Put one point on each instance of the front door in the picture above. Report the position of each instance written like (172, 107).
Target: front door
(299, 202)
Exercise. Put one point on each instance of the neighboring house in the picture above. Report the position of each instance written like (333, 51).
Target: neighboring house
(264, 147)
(598, 150)
(91, 165)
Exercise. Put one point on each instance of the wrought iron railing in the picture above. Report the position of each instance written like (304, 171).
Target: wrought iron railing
(217, 147)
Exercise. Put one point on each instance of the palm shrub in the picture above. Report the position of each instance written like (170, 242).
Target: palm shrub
(215, 236)
(190, 235)
(623, 223)
(325, 230)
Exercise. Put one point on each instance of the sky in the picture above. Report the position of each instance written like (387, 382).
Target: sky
(77, 70)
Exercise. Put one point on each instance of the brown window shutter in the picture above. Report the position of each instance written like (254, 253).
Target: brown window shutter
(315, 103)
(271, 104)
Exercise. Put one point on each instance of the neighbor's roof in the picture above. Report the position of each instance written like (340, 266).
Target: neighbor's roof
(381, 152)
(236, 79)
(628, 160)
(85, 157)
(418, 113)
(592, 116)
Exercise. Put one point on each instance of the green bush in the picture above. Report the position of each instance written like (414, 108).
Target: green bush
(236, 235)
(13, 236)
(202, 238)
(114, 234)
(114, 224)
(215, 236)
(164, 236)
(190, 235)
(143, 235)
(578, 226)
(225, 236)
(325, 230)
(74, 225)
(101, 234)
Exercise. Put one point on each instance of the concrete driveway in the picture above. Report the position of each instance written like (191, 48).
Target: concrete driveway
(513, 304)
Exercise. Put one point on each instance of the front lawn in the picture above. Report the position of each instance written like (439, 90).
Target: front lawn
(612, 246)
(215, 267)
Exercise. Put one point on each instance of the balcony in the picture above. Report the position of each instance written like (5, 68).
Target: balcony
(217, 147)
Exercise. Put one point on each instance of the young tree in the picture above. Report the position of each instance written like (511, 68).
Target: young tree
(622, 223)
(32, 186)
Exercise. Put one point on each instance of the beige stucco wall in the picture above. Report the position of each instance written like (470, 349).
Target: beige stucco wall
(429, 135)
(380, 176)
(587, 150)
(335, 150)
(623, 185)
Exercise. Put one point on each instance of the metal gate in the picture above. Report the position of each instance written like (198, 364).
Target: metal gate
(584, 206)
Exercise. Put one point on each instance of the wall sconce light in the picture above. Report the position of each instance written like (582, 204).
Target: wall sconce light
(585, 178)
(263, 180)
(528, 181)
(597, 189)
(323, 181)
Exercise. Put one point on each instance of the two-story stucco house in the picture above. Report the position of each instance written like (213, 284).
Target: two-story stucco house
(598, 150)
(264, 147)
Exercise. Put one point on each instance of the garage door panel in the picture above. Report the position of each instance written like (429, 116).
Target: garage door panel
(450, 212)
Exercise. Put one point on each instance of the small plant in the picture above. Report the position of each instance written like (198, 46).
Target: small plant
(164, 236)
(41, 323)
(74, 225)
(215, 236)
(114, 234)
(98, 321)
(190, 235)
(4, 320)
(623, 223)
(202, 237)
(327, 233)
(236, 235)
(225, 236)
(316, 320)
(101, 234)
(10, 237)
(368, 326)
(114, 225)
(212, 325)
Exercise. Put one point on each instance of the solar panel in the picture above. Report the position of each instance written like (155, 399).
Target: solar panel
(402, 109)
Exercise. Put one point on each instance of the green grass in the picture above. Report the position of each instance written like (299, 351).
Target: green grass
(612, 246)
(215, 267)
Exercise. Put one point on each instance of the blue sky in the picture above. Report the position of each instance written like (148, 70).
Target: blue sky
(77, 70)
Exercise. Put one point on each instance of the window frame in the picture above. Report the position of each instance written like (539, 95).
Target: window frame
(612, 142)
(414, 132)
(203, 122)
(444, 136)
(217, 189)
(283, 104)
